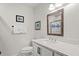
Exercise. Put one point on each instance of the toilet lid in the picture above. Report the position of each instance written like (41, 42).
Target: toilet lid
(27, 48)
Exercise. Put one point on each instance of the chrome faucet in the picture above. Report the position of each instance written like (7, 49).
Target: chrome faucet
(52, 39)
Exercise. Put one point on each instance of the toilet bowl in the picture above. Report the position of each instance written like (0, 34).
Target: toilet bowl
(26, 51)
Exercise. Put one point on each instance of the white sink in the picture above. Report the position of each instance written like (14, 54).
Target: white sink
(49, 41)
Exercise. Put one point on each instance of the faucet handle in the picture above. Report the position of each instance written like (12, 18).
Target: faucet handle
(49, 38)
(55, 40)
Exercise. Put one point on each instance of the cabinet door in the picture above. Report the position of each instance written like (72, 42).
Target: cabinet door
(59, 54)
(36, 49)
(46, 52)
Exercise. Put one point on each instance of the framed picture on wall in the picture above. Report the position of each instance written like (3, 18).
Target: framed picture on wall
(55, 23)
(37, 25)
(19, 18)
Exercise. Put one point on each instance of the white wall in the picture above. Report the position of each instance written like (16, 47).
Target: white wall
(71, 22)
(10, 44)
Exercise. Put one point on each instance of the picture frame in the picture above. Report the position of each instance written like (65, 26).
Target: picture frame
(38, 25)
(19, 18)
(55, 23)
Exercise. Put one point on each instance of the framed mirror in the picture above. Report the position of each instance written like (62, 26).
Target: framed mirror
(55, 23)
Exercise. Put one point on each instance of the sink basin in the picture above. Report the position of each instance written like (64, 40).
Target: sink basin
(49, 41)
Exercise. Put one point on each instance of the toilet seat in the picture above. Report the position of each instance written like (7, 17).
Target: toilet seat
(26, 51)
(27, 48)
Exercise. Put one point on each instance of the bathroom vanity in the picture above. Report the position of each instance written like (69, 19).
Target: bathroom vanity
(51, 48)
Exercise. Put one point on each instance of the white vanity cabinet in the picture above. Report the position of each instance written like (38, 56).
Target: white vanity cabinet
(58, 48)
(41, 51)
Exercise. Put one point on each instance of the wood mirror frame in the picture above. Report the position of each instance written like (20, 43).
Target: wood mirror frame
(55, 25)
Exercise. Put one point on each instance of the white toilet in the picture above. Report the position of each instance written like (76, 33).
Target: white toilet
(26, 51)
